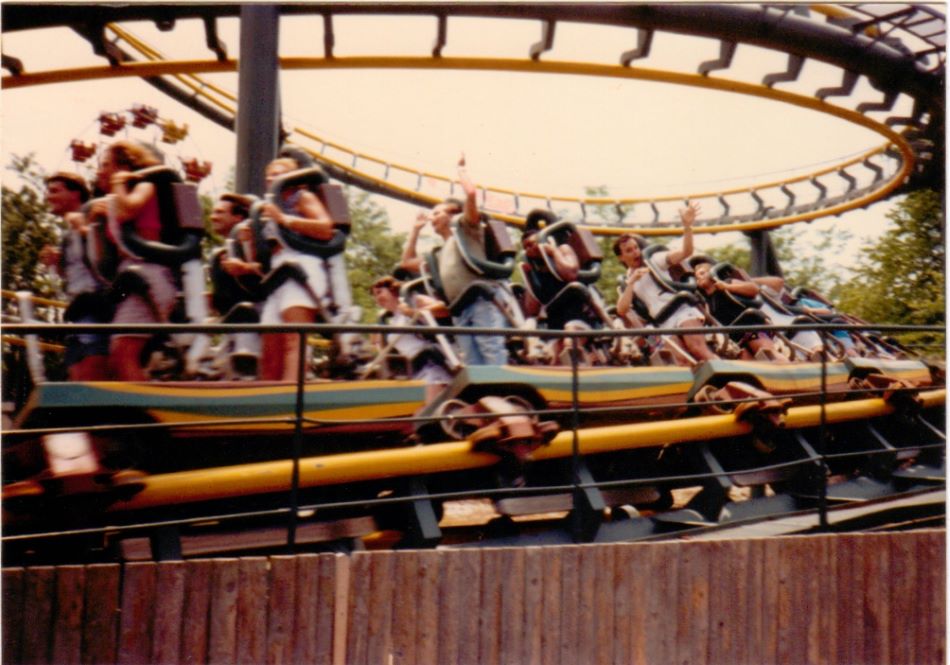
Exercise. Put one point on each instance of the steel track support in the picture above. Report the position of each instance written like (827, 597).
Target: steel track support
(258, 113)
(763, 258)
(166, 543)
(589, 505)
(422, 522)
(715, 493)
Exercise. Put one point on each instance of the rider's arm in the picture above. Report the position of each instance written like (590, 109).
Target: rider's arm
(410, 259)
(470, 208)
(687, 216)
(129, 202)
(312, 219)
(625, 302)
(739, 287)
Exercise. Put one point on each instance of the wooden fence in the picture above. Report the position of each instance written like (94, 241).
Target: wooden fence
(849, 599)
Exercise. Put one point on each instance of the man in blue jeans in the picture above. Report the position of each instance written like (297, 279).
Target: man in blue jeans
(472, 297)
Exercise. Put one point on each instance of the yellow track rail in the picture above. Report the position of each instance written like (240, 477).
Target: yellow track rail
(258, 478)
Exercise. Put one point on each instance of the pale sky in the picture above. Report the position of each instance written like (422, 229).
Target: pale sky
(552, 134)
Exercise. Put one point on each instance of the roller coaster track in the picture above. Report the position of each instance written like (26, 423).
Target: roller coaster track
(900, 52)
(887, 449)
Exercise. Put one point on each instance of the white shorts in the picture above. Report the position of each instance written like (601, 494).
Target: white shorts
(682, 315)
(291, 293)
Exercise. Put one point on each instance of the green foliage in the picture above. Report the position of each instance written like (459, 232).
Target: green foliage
(900, 278)
(27, 227)
(372, 250)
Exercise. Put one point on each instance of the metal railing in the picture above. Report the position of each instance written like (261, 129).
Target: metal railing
(293, 505)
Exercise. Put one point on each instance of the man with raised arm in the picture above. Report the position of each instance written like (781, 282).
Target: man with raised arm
(642, 284)
(473, 297)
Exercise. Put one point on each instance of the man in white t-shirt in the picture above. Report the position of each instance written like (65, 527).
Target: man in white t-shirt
(641, 284)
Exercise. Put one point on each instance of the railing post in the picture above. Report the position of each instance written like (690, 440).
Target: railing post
(575, 442)
(298, 441)
(822, 437)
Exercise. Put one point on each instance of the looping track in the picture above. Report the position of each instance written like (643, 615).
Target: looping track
(899, 52)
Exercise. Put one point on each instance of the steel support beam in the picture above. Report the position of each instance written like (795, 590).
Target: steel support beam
(258, 96)
(763, 258)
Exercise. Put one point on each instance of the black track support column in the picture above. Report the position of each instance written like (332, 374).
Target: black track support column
(258, 96)
(423, 524)
(715, 493)
(166, 543)
(589, 505)
(764, 261)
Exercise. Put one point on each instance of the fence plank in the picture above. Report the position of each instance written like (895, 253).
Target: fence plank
(169, 608)
(797, 602)
(902, 585)
(328, 606)
(551, 580)
(281, 610)
(512, 619)
(534, 618)
(693, 593)
(194, 627)
(569, 603)
(360, 598)
(726, 589)
(136, 622)
(38, 589)
(850, 585)
(101, 618)
(382, 566)
(826, 566)
(930, 632)
(769, 581)
(603, 603)
(67, 618)
(659, 635)
(222, 622)
(749, 641)
(629, 609)
(489, 616)
(450, 594)
(586, 618)
(341, 602)
(876, 607)
(470, 589)
(427, 612)
(252, 611)
(13, 611)
(405, 614)
(308, 591)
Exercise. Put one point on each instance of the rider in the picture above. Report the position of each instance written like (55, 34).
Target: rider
(135, 202)
(299, 210)
(642, 284)
(457, 276)
(728, 311)
(87, 356)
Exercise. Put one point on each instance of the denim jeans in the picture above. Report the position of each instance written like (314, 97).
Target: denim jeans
(482, 349)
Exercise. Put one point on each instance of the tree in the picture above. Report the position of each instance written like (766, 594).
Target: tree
(901, 276)
(372, 250)
(28, 225)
